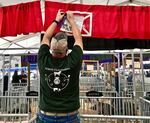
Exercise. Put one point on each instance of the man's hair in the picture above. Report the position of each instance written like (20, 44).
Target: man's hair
(59, 43)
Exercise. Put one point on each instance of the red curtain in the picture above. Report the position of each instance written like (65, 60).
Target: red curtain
(135, 22)
(1, 17)
(21, 18)
(108, 21)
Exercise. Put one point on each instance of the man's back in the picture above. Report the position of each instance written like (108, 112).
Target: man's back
(60, 80)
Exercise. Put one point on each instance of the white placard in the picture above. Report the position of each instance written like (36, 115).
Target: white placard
(66, 27)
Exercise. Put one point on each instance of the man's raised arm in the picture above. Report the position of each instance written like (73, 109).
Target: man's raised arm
(49, 32)
(75, 29)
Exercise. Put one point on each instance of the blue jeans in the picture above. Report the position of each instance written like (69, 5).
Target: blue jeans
(42, 118)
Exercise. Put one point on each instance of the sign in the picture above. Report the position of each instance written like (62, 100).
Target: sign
(94, 94)
(32, 93)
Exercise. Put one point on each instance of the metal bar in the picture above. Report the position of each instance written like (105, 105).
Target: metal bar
(14, 115)
(30, 48)
(85, 97)
(133, 72)
(20, 97)
(107, 2)
(18, 54)
(119, 72)
(115, 116)
(145, 100)
(124, 67)
(141, 64)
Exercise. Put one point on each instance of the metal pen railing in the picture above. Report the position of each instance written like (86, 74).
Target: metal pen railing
(18, 108)
(107, 105)
(91, 83)
(145, 108)
(92, 109)
(114, 119)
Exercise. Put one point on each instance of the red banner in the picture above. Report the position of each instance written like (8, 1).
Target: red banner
(21, 18)
(107, 21)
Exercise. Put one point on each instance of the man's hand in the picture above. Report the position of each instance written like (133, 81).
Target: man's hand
(70, 16)
(60, 15)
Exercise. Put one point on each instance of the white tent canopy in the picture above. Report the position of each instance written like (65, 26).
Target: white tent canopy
(20, 44)
(30, 43)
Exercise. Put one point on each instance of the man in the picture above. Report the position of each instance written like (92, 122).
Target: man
(23, 77)
(5, 84)
(59, 74)
(117, 82)
(15, 78)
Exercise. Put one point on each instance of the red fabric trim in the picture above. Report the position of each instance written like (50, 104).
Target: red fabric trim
(21, 18)
(1, 18)
(108, 21)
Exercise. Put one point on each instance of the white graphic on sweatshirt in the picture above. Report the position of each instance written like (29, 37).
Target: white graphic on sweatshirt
(57, 81)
